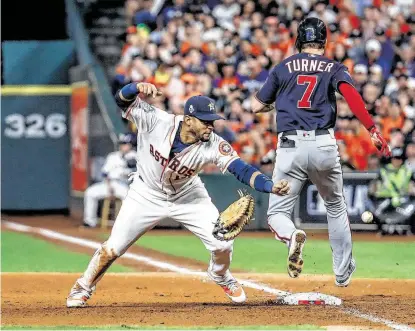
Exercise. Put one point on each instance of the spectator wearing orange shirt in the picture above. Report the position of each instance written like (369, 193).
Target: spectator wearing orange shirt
(270, 140)
(342, 127)
(191, 87)
(228, 78)
(285, 43)
(192, 38)
(227, 87)
(359, 145)
(395, 119)
(249, 145)
(258, 36)
(243, 140)
(130, 34)
(344, 157)
(346, 10)
(340, 55)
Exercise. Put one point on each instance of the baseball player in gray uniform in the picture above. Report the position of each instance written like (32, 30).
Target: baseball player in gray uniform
(303, 88)
(171, 151)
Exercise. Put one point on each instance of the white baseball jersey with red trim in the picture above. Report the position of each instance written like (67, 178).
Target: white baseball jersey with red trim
(165, 189)
(156, 132)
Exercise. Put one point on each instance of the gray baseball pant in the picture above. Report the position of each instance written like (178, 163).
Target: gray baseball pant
(316, 158)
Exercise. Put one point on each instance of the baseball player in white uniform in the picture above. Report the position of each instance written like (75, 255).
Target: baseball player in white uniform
(172, 149)
(118, 165)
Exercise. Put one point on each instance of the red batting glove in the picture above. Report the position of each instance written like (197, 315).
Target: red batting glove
(379, 142)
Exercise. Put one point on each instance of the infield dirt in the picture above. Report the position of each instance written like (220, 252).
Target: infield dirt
(167, 299)
(155, 298)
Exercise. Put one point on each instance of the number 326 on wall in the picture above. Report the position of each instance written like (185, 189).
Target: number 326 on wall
(35, 126)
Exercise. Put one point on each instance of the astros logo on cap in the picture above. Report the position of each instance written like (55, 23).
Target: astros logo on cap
(211, 106)
(191, 109)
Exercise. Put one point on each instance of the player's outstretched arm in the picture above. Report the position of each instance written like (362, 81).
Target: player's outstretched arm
(357, 106)
(127, 95)
(248, 175)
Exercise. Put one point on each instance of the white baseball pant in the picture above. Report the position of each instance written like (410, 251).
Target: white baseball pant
(144, 208)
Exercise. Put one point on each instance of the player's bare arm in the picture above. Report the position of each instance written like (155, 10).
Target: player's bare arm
(259, 107)
(357, 106)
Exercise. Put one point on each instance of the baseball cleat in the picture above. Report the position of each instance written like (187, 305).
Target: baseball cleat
(230, 286)
(295, 253)
(235, 292)
(78, 297)
(343, 281)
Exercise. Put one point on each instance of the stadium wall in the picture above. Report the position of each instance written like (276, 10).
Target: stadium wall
(35, 125)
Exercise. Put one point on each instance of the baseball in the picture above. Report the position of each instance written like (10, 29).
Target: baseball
(367, 217)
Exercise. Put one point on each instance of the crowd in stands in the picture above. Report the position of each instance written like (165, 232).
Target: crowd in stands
(225, 49)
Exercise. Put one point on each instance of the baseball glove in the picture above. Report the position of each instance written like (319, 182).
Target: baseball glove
(233, 219)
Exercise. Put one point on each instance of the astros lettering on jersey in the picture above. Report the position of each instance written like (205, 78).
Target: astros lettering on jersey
(156, 131)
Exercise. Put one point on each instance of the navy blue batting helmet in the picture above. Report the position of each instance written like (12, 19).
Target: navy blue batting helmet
(311, 30)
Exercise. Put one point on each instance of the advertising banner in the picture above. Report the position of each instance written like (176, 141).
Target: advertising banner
(311, 211)
(79, 137)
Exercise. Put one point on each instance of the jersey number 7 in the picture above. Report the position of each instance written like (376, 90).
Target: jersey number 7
(311, 82)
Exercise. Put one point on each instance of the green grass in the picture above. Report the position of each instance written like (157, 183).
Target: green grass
(136, 327)
(374, 259)
(22, 253)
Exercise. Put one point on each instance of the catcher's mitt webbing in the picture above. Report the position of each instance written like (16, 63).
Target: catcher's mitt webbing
(233, 219)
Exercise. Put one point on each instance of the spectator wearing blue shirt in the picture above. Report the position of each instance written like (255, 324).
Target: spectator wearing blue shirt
(223, 131)
(176, 10)
(144, 16)
(257, 77)
(360, 5)
(373, 52)
(407, 59)
(388, 52)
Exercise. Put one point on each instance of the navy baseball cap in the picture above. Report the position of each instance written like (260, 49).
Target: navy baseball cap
(202, 108)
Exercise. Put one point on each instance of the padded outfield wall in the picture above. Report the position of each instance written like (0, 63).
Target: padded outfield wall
(35, 133)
